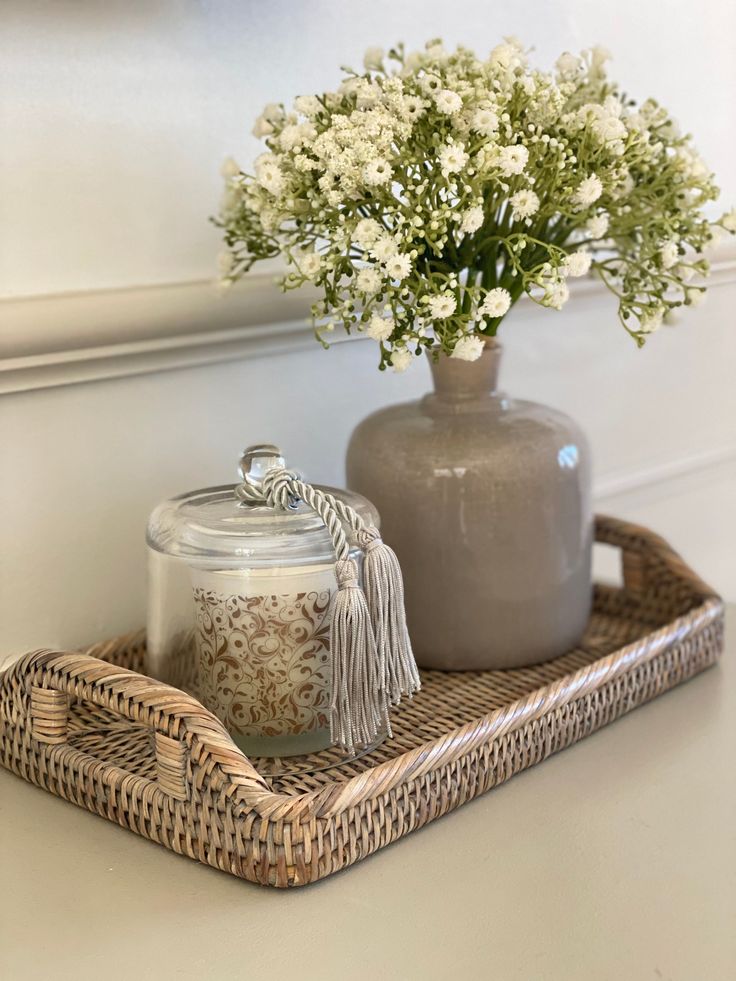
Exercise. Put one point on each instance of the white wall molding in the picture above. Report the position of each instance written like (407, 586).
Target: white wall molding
(610, 488)
(65, 339)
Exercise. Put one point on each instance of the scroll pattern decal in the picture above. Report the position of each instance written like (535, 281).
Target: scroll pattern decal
(264, 661)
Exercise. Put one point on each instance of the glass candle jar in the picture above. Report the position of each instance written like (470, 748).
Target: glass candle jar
(239, 606)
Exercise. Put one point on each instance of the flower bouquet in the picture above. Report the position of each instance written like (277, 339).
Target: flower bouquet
(432, 190)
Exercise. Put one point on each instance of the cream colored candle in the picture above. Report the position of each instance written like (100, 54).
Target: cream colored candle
(262, 643)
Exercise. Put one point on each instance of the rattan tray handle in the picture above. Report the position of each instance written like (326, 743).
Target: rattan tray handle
(187, 738)
(645, 557)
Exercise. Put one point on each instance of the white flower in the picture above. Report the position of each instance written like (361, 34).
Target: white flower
(524, 204)
(448, 102)
(384, 248)
(508, 56)
(472, 220)
(430, 84)
(380, 328)
(496, 303)
(377, 172)
(398, 266)
(261, 128)
(651, 320)
(512, 159)
(412, 106)
(269, 174)
(442, 305)
(597, 225)
(587, 192)
(271, 114)
(669, 255)
(556, 295)
(609, 128)
(567, 64)
(308, 264)
(229, 168)
(308, 105)
(577, 264)
(685, 273)
(729, 220)
(484, 121)
(452, 158)
(368, 280)
(401, 359)
(468, 348)
(694, 297)
(290, 135)
(225, 262)
(366, 232)
(373, 59)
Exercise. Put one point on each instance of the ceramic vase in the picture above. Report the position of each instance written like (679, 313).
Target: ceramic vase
(486, 500)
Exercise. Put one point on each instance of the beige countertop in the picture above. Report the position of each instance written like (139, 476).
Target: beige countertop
(615, 859)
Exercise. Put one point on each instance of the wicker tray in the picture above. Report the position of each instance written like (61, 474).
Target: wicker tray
(89, 728)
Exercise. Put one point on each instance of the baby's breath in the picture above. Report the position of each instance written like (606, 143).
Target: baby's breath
(433, 189)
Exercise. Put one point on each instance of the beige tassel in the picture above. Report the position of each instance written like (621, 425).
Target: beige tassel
(384, 590)
(359, 707)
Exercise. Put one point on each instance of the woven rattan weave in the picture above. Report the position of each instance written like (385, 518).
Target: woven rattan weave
(89, 728)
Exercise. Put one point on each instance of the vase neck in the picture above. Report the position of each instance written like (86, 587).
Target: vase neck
(460, 381)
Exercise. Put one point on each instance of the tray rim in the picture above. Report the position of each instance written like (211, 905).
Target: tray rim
(250, 792)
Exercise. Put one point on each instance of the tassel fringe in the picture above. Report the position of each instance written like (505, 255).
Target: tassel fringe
(359, 706)
(384, 590)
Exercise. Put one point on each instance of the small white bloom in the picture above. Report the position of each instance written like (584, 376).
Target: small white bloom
(290, 135)
(472, 220)
(524, 204)
(229, 168)
(268, 173)
(368, 280)
(729, 220)
(373, 59)
(308, 105)
(430, 84)
(308, 264)
(261, 128)
(398, 266)
(448, 102)
(225, 262)
(587, 192)
(380, 328)
(508, 56)
(441, 306)
(556, 295)
(452, 158)
(512, 159)
(384, 248)
(366, 232)
(597, 225)
(377, 172)
(609, 128)
(401, 359)
(468, 348)
(484, 121)
(669, 255)
(651, 320)
(496, 303)
(567, 64)
(685, 273)
(694, 296)
(577, 264)
(412, 107)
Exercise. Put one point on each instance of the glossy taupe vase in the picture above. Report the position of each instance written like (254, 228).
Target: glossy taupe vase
(487, 502)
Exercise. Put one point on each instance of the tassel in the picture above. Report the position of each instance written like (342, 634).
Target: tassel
(359, 707)
(384, 590)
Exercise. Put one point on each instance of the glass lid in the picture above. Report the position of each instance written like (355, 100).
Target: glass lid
(213, 526)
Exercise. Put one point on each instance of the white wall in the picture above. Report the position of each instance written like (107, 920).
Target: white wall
(118, 115)
(121, 112)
